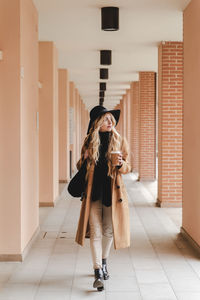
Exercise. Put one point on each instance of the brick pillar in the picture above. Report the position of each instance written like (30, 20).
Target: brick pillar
(128, 116)
(48, 132)
(131, 130)
(147, 126)
(63, 96)
(170, 123)
(135, 124)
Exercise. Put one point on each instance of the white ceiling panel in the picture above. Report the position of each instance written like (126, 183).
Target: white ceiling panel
(75, 27)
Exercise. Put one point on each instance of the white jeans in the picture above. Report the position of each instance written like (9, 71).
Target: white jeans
(101, 232)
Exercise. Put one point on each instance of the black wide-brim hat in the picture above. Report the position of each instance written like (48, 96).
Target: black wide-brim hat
(98, 111)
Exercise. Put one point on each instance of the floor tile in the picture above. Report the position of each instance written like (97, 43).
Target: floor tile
(123, 295)
(52, 295)
(122, 283)
(151, 276)
(158, 265)
(188, 295)
(157, 291)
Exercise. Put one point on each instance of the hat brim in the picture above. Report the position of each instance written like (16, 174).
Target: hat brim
(114, 112)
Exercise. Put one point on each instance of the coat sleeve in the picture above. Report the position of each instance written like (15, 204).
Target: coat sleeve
(126, 167)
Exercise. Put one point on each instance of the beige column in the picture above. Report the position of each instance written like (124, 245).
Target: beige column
(78, 125)
(124, 114)
(191, 130)
(119, 125)
(72, 129)
(83, 133)
(19, 214)
(81, 124)
(122, 117)
(63, 92)
(48, 132)
(147, 126)
(86, 121)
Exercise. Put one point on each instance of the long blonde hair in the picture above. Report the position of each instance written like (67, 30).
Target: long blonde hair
(92, 143)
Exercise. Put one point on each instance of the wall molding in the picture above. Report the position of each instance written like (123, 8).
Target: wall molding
(21, 256)
(190, 240)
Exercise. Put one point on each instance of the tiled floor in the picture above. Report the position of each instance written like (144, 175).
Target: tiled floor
(159, 264)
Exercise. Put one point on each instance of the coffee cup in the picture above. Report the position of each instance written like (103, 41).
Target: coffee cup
(114, 157)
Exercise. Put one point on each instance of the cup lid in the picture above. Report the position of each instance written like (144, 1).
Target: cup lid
(115, 152)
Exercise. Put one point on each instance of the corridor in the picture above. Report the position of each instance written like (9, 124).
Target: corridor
(158, 265)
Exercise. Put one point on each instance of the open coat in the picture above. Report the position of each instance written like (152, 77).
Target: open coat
(120, 208)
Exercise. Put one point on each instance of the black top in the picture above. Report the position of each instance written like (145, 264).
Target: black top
(101, 188)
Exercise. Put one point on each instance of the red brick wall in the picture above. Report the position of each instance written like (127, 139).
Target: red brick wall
(134, 140)
(147, 125)
(170, 123)
(128, 116)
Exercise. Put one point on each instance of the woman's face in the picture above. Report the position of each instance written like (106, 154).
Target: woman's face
(107, 123)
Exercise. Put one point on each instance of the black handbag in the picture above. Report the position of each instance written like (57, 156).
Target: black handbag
(77, 184)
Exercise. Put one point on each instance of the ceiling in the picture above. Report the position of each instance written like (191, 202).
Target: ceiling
(75, 27)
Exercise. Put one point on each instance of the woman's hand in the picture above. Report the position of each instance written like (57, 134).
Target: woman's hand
(86, 154)
(120, 159)
(116, 159)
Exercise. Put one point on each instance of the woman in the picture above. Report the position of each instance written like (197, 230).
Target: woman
(104, 211)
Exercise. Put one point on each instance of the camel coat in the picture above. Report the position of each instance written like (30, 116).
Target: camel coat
(120, 208)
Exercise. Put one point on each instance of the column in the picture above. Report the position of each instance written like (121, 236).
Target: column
(81, 137)
(119, 125)
(147, 128)
(170, 123)
(135, 124)
(72, 129)
(83, 123)
(191, 130)
(19, 214)
(63, 79)
(86, 120)
(79, 126)
(48, 133)
(128, 117)
(76, 127)
(124, 114)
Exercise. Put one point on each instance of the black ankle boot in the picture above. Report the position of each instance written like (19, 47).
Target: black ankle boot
(98, 283)
(104, 269)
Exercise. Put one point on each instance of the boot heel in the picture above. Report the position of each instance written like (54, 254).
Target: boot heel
(98, 283)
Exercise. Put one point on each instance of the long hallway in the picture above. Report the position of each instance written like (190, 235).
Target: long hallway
(158, 265)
